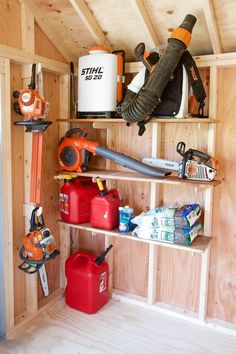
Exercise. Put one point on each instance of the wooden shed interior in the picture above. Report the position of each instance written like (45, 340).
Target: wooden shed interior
(197, 282)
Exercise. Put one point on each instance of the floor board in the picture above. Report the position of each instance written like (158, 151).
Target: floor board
(117, 328)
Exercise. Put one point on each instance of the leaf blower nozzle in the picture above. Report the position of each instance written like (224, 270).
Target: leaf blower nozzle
(188, 22)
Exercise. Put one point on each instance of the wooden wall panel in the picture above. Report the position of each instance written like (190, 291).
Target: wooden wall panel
(44, 47)
(130, 266)
(18, 194)
(222, 293)
(10, 23)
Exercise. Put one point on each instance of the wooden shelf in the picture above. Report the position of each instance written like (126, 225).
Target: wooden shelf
(138, 177)
(154, 120)
(199, 245)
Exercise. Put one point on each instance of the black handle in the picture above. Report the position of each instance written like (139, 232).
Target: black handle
(33, 224)
(139, 52)
(32, 85)
(80, 132)
(181, 148)
(202, 155)
(100, 259)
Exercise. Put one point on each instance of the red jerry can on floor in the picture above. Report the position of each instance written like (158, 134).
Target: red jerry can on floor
(87, 282)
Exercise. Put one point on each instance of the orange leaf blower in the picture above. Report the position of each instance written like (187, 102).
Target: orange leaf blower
(74, 153)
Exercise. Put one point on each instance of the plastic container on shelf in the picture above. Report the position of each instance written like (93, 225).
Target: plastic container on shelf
(75, 199)
(125, 216)
(105, 208)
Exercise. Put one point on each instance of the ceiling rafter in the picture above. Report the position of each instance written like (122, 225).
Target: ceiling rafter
(49, 30)
(138, 6)
(212, 26)
(90, 23)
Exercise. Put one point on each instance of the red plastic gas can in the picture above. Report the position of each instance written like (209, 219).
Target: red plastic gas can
(105, 210)
(75, 199)
(87, 283)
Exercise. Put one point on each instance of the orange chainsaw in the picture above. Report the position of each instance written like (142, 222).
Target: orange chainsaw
(38, 247)
(31, 103)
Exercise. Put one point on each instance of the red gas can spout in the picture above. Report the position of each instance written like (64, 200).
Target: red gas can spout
(100, 259)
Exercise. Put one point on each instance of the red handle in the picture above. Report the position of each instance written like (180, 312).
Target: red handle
(114, 193)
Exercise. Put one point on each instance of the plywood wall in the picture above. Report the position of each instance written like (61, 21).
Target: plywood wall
(222, 294)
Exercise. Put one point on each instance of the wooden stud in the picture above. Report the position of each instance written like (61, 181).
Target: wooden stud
(202, 61)
(28, 44)
(64, 103)
(6, 168)
(110, 261)
(153, 248)
(208, 210)
(47, 27)
(64, 251)
(27, 29)
(19, 56)
(212, 26)
(63, 128)
(90, 23)
(213, 109)
(152, 273)
(140, 10)
(204, 284)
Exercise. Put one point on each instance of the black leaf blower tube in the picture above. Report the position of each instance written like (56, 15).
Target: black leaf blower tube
(137, 107)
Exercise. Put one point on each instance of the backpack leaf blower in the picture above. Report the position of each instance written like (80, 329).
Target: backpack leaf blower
(73, 155)
(138, 107)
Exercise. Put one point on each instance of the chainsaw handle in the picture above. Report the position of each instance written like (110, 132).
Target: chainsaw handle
(181, 148)
(33, 224)
(202, 155)
(80, 132)
(190, 153)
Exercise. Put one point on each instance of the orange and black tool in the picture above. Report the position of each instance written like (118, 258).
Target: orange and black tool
(31, 103)
(38, 246)
(73, 153)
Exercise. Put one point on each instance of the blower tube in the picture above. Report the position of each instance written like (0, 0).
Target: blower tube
(137, 107)
(129, 162)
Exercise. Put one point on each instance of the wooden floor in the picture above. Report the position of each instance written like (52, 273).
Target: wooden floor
(117, 328)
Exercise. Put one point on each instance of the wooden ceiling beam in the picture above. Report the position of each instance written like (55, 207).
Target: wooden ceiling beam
(141, 12)
(49, 30)
(90, 23)
(212, 26)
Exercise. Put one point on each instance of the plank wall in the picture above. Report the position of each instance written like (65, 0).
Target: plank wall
(10, 34)
(177, 272)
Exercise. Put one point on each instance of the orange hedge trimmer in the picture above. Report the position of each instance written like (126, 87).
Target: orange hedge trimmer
(31, 103)
(38, 246)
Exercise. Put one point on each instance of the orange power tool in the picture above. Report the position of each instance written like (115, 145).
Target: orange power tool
(31, 103)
